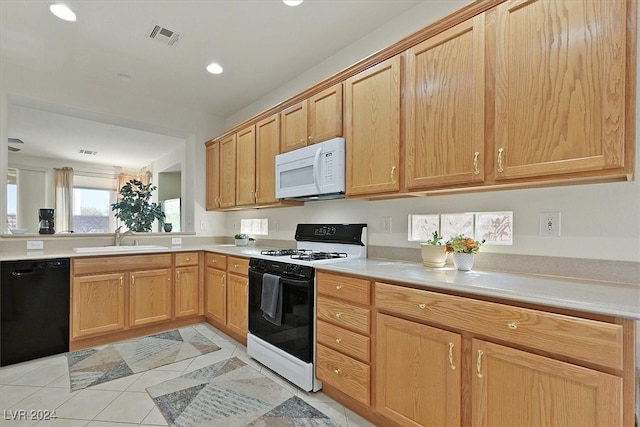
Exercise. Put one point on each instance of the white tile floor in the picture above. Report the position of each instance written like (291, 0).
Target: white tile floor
(43, 385)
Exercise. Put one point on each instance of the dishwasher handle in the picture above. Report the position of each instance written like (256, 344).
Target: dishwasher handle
(22, 272)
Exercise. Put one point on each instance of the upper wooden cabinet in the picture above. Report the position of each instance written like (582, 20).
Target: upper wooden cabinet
(444, 120)
(246, 166)
(228, 172)
(313, 120)
(213, 176)
(267, 148)
(372, 123)
(560, 87)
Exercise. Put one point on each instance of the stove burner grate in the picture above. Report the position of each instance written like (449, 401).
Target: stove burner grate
(307, 255)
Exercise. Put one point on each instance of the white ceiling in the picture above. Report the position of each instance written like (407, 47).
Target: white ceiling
(262, 44)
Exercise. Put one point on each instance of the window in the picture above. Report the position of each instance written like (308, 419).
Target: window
(12, 199)
(496, 228)
(91, 210)
(254, 226)
(93, 195)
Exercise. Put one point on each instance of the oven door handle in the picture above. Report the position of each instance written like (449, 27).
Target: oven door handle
(316, 169)
(292, 282)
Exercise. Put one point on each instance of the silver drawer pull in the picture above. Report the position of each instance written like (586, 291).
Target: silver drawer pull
(512, 325)
(338, 340)
(338, 315)
(338, 287)
(422, 306)
(337, 371)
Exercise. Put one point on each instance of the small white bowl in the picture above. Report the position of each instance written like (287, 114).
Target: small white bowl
(18, 231)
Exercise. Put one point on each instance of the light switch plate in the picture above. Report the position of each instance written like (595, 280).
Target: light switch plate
(176, 241)
(35, 244)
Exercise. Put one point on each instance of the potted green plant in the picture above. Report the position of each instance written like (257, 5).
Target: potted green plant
(463, 249)
(434, 253)
(135, 207)
(241, 239)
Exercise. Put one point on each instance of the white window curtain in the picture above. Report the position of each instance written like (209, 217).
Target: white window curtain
(63, 178)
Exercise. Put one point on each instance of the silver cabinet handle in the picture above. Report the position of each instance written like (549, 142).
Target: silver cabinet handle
(476, 171)
(500, 165)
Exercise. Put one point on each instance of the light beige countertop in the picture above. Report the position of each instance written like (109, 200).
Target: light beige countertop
(608, 298)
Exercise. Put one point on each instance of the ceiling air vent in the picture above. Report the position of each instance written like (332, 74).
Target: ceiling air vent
(163, 35)
(88, 152)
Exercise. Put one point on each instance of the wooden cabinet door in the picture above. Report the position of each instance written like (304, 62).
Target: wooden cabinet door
(238, 304)
(213, 176)
(267, 147)
(187, 293)
(215, 295)
(293, 127)
(325, 115)
(97, 304)
(149, 296)
(444, 120)
(246, 166)
(373, 129)
(228, 172)
(560, 87)
(418, 379)
(511, 387)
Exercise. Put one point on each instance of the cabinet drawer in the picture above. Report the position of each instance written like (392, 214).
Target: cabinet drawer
(349, 288)
(345, 315)
(184, 259)
(216, 261)
(238, 265)
(110, 264)
(583, 339)
(344, 373)
(347, 342)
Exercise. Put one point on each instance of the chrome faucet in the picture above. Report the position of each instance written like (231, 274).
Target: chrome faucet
(117, 238)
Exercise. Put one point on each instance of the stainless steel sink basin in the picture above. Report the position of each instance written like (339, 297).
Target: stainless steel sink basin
(107, 249)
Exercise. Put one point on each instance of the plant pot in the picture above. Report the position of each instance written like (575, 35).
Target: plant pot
(242, 242)
(463, 261)
(433, 255)
(168, 227)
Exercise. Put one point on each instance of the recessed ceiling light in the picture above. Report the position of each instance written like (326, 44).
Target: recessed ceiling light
(292, 2)
(62, 12)
(214, 68)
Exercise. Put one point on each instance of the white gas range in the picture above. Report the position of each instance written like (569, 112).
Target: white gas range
(282, 298)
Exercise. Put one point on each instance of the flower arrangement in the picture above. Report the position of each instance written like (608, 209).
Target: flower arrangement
(463, 244)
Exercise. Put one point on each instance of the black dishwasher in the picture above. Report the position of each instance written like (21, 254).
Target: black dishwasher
(34, 309)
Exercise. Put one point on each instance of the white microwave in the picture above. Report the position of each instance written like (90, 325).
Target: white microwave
(313, 172)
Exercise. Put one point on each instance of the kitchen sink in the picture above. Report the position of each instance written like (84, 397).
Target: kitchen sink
(123, 248)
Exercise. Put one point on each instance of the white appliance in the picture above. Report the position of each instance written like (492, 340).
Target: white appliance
(312, 173)
(289, 348)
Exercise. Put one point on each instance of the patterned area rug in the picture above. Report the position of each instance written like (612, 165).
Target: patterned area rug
(232, 393)
(92, 366)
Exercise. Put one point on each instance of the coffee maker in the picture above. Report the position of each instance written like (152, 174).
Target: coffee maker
(46, 221)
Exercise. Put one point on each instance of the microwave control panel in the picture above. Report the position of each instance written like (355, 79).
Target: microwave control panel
(327, 166)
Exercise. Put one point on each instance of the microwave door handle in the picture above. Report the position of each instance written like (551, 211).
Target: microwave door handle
(316, 168)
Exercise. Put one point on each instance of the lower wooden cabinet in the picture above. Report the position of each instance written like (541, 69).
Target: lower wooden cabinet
(450, 360)
(187, 291)
(418, 373)
(537, 390)
(226, 293)
(97, 304)
(238, 304)
(149, 296)
(343, 334)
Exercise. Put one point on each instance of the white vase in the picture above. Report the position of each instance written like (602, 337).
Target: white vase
(463, 261)
(433, 255)
(242, 242)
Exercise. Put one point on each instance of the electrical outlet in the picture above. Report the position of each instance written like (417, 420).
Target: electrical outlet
(203, 225)
(385, 222)
(550, 224)
(176, 241)
(35, 244)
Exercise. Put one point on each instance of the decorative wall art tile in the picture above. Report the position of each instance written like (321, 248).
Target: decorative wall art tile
(421, 227)
(496, 228)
